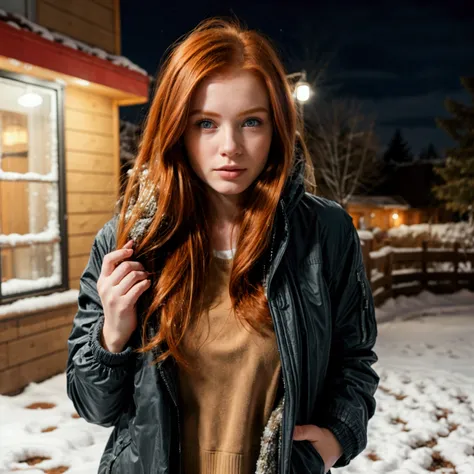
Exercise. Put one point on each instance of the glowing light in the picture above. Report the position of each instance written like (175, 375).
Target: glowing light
(303, 92)
(83, 82)
(14, 135)
(30, 100)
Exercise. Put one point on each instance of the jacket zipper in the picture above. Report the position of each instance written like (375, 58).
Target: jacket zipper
(271, 273)
(165, 378)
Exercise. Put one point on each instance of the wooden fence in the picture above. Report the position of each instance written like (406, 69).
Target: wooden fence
(408, 271)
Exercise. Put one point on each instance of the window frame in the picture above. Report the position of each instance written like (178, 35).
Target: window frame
(29, 9)
(58, 89)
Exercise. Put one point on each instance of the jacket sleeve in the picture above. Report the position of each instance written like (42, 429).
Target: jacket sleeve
(96, 378)
(348, 395)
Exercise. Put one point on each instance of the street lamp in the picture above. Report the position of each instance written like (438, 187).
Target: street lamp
(302, 91)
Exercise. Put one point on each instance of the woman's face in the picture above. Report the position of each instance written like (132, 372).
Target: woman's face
(229, 131)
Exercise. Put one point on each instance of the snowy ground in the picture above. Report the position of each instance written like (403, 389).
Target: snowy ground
(425, 403)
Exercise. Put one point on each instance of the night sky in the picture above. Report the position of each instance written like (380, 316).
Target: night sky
(401, 59)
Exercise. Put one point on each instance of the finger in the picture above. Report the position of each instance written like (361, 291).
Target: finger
(129, 280)
(112, 259)
(123, 269)
(129, 244)
(307, 432)
(136, 291)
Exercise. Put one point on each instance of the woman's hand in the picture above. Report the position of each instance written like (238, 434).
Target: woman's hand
(119, 286)
(323, 441)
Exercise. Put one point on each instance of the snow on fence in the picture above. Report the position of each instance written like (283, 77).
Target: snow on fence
(408, 271)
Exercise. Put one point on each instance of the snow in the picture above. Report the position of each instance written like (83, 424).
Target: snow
(384, 251)
(450, 232)
(405, 271)
(365, 234)
(409, 306)
(41, 237)
(408, 284)
(21, 23)
(447, 233)
(13, 176)
(36, 303)
(375, 275)
(20, 285)
(425, 400)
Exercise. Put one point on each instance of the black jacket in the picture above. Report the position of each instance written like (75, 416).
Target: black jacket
(323, 313)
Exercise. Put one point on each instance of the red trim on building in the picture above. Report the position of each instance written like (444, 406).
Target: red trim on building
(30, 48)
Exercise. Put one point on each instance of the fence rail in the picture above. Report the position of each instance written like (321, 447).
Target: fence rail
(405, 271)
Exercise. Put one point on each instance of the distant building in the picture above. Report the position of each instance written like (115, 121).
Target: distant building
(383, 212)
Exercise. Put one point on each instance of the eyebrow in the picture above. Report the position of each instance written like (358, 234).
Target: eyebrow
(249, 111)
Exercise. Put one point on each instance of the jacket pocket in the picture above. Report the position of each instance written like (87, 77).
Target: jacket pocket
(305, 459)
(122, 443)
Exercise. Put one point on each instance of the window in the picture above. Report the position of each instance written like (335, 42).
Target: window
(26, 8)
(33, 244)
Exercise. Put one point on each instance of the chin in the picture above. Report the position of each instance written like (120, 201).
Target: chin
(230, 189)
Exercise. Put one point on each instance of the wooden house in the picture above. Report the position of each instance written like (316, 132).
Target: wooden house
(62, 81)
(383, 212)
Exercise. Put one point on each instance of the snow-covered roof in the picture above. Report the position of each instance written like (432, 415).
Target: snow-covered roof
(21, 23)
(385, 202)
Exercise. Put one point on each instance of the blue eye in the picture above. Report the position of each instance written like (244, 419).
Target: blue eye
(205, 124)
(254, 122)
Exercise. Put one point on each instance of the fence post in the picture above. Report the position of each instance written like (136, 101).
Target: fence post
(456, 267)
(424, 270)
(388, 265)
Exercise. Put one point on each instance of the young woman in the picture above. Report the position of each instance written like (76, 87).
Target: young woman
(225, 322)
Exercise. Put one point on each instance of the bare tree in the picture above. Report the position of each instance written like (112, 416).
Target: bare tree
(343, 147)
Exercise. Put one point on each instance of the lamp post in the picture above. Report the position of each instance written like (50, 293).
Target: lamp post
(302, 91)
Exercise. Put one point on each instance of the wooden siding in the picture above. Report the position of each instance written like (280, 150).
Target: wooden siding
(95, 22)
(33, 347)
(92, 179)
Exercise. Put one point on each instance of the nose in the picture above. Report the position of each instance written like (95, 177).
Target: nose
(231, 142)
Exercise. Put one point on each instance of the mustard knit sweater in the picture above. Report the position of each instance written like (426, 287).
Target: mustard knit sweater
(227, 398)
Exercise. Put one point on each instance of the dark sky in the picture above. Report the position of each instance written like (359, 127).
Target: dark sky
(400, 58)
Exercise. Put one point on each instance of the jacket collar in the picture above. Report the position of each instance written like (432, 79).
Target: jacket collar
(294, 187)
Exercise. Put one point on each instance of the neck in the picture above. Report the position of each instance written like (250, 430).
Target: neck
(224, 208)
(224, 211)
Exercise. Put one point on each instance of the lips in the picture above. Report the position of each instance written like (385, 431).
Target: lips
(230, 168)
(230, 172)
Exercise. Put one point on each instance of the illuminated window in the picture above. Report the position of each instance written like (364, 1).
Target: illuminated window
(32, 208)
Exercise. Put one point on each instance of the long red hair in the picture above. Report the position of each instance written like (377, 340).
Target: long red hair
(176, 245)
